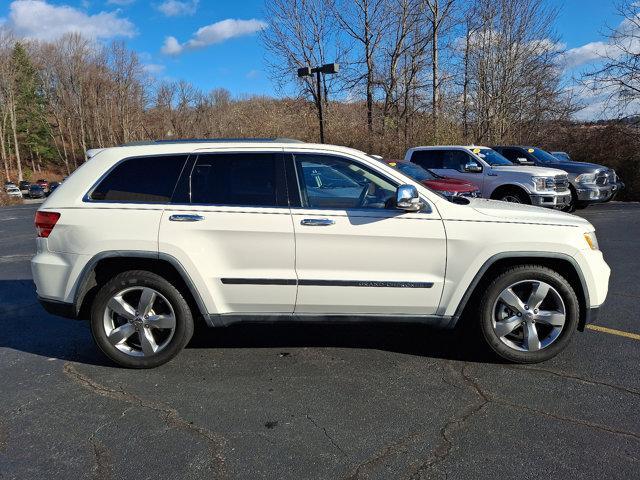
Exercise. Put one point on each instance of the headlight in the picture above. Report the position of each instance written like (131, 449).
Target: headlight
(592, 240)
(543, 183)
(586, 178)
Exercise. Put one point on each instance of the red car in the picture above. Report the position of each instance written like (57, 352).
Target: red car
(44, 184)
(448, 187)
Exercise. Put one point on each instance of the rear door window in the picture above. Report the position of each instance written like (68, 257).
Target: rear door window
(238, 179)
(148, 179)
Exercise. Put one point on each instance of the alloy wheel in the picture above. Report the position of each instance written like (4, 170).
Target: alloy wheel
(139, 321)
(511, 199)
(529, 315)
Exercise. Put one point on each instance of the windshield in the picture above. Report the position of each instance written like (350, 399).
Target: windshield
(544, 157)
(414, 171)
(492, 157)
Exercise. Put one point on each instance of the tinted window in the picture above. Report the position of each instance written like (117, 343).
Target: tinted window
(333, 182)
(428, 158)
(235, 179)
(141, 179)
(456, 160)
(511, 153)
(544, 157)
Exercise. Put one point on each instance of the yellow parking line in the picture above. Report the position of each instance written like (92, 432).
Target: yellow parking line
(613, 331)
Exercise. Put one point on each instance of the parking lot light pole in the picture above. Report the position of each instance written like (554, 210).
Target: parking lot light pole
(307, 71)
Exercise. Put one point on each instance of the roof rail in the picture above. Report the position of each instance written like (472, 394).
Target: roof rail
(210, 140)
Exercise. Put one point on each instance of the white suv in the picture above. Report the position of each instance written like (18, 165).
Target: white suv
(144, 240)
(496, 176)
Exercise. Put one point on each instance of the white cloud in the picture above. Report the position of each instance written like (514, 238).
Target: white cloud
(40, 20)
(214, 33)
(176, 8)
(171, 46)
(588, 53)
(153, 68)
(626, 37)
(121, 3)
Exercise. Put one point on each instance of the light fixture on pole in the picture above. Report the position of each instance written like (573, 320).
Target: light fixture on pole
(307, 71)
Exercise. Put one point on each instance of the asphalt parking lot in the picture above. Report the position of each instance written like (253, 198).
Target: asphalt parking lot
(302, 402)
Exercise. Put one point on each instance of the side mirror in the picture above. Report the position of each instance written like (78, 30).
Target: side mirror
(472, 168)
(407, 198)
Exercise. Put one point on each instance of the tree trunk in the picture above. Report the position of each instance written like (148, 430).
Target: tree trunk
(465, 88)
(14, 129)
(3, 151)
(434, 54)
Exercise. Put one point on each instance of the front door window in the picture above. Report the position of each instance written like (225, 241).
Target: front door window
(338, 183)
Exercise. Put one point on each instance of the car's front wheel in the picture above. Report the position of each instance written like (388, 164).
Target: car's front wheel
(513, 195)
(528, 314)
(140, 320)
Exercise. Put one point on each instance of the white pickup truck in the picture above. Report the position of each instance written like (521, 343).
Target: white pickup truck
(496, 177)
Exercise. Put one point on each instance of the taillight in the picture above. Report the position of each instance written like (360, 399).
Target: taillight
(45, 221)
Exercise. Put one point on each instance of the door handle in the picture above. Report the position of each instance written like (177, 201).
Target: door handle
(316, 222)
(185, 218)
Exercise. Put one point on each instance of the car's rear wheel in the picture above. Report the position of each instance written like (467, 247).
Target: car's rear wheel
(528, 314)
(140, 320)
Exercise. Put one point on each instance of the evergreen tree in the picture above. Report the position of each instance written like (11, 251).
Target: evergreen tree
(31, 108)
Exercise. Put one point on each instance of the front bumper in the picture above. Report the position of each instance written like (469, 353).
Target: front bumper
(590, 316)
(551, 199)
(60, 309)
(597, 194)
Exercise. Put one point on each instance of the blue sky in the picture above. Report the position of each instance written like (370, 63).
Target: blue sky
(229, 53)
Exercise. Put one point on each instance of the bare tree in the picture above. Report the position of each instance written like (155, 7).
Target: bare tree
(366, 22)
(513, 80)
(301, 33)
(619, 76)
(440, 12)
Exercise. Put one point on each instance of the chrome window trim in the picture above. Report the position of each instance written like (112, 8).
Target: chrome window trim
(87, 196)
(346, 157)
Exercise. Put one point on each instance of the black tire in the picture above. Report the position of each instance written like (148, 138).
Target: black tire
(574, 201)
(514, 195)
(510, 277)
(140, 278)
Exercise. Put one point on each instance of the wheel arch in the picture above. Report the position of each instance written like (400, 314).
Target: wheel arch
(564, 264)
(103, 266)
(508, 187)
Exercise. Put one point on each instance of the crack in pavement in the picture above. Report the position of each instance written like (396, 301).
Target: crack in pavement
(382, 454)
(401, 444)
(443, 450)
(103, 468)
(456, 422)
(169, 415)
(571, 376)
(3, 439)
(575, 421)
(326, 434)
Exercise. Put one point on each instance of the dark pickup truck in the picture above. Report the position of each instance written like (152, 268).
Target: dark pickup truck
(589, 183)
